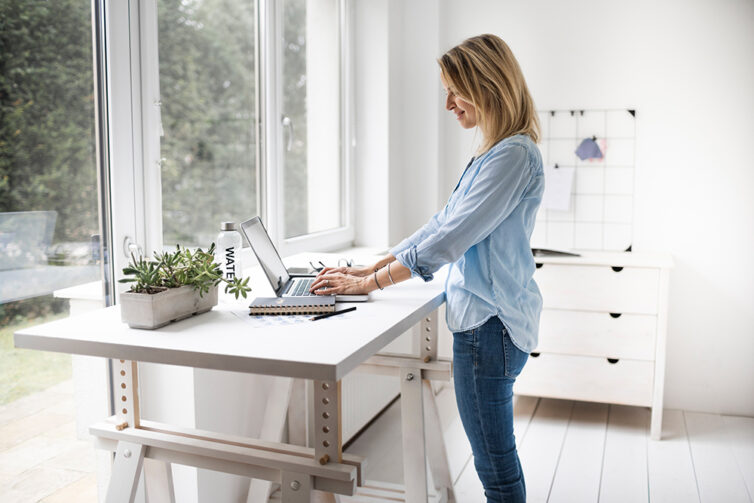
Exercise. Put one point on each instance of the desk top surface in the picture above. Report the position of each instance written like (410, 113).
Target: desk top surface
(226, 338)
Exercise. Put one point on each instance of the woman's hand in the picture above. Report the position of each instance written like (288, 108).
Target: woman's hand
(352, 271)
(333, 282)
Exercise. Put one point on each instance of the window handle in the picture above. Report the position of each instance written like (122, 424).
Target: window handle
(288, 124)
(130, 247)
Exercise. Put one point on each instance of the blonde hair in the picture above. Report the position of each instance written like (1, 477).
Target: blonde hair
(483, 71)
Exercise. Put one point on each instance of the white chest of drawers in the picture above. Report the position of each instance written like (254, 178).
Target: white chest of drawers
(602, 331)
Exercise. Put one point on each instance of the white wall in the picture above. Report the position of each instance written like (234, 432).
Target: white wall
(371, 103)
(397, 92)
(688, 68)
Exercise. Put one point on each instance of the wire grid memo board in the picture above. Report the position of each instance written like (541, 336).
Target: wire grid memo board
(600, 216)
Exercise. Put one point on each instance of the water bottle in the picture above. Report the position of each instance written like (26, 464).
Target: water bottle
(228, 251)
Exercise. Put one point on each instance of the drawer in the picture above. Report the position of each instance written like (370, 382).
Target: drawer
(587, 378)
(590, 333)
(599, 288)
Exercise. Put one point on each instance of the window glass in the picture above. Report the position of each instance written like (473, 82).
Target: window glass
(312, 175)
(207, 90)
(50, 255)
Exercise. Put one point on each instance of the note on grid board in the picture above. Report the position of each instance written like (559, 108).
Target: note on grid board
(598, 213)
(558, 183)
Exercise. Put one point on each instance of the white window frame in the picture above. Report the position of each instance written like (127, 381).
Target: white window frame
(271, 115)
(136, 130)
(127, 182)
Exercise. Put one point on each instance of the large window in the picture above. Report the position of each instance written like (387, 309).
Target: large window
(248, 108)
(312, 118)
(207, 82)
(49, 213)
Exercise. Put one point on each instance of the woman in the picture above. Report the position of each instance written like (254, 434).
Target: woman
(493, 304)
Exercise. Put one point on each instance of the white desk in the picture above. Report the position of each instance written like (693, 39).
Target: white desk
(324, 351)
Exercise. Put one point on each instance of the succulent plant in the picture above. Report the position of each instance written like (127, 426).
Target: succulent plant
(181, 267)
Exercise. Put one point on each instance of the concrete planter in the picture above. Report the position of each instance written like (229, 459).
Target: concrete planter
(143, 310)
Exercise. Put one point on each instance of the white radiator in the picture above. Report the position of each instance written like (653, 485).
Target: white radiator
(363, 396)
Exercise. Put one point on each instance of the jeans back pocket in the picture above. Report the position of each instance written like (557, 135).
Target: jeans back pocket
(515, 359)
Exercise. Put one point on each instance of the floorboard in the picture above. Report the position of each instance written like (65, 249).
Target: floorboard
(577, 478)
(523, 411)
(717, 473)
(456, 444)
(740, 432)
(558, 440)
(671, 473)
(624, 468)
(468, 488)
(540, 449)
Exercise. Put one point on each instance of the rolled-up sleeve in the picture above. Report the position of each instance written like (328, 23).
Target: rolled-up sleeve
(495, 192)
(421, 234)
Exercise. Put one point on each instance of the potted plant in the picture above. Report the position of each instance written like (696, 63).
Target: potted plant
(173, 286)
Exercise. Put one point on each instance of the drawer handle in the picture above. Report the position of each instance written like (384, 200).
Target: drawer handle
(617, 268)
(539, 266)
(612, 361)
(534, 355)
(615, 315)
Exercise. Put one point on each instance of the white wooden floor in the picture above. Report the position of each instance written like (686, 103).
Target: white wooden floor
(570, 452)
(588, 452)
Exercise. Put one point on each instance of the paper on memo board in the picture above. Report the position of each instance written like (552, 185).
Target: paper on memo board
(558, 184)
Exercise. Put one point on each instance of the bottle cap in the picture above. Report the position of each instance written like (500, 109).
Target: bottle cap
(228, 226)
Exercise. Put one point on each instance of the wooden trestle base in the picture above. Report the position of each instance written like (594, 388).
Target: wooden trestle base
(305, 474)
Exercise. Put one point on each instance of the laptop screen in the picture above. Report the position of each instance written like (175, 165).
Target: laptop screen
(266, 253)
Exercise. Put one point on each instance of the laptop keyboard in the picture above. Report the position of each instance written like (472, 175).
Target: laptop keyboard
(301, 288)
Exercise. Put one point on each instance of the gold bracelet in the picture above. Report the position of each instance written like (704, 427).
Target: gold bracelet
(388, 273)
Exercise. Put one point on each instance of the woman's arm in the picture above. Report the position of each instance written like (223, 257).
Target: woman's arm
(422, 233)
(495, 192)
(359, 271)
(334, 282)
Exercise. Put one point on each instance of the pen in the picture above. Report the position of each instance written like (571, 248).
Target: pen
(334, 313)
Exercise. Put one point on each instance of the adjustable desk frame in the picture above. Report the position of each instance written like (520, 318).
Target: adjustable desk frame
(323, 473)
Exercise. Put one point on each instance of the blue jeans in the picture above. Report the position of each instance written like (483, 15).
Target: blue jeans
(485, 365)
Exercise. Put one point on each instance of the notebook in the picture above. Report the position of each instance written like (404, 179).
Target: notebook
(293, 305)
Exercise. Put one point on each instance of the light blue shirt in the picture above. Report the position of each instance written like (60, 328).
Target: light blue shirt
(483, 232)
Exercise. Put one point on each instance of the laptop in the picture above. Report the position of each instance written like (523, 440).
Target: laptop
(282, 281)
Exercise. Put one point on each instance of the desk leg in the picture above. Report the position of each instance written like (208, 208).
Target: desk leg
(126, 393)
(296, 487)
(158, 481)
(129, 458)
(412, 426)
(328, 440)
(298, 414)
(272, 429)
(437, 454)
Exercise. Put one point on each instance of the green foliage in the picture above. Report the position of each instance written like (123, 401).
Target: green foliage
(209, 114)
(20, 311)
(47, 113)
(207, 89)
(182, 267)
(24, 371)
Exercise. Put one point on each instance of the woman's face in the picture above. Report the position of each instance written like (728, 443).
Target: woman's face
(465, 111)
